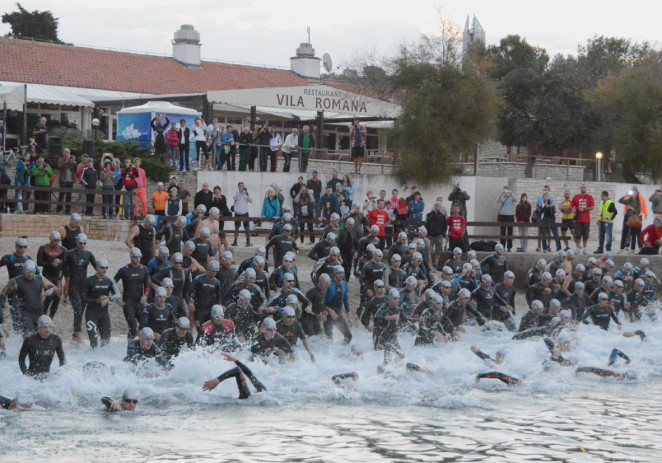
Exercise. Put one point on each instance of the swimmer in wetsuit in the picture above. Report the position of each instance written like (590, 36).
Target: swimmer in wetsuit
(128, 403)
(11, 404)
(498, 360)
(40, 348)
(606, 373)
(240, 372)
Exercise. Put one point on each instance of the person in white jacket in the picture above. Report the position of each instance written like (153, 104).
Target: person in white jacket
(290, 148)
(275, 144)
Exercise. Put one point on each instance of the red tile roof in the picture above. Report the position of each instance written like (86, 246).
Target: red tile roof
(45, 63)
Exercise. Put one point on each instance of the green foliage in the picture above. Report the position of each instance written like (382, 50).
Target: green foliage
(40, 25)
(631, 103)
(73, 139)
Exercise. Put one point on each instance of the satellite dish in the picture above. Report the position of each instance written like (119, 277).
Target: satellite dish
(327, 63)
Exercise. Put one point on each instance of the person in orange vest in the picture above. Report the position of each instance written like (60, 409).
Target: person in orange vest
(643, 212)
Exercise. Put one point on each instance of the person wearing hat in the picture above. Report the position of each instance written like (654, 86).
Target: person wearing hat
(286, 218)
(144, 348)
(218, 331)
(484, 299)
(269, 342)
(39, 349)
(205, 292)
(159, 315)
(226, 275)
(617, 298)
(174, 234)
(244, 316)
(246, 282)
(395, 276)
(546, 289)
(332, 227)
(70, 231)
(128, 403)
(179, 305)
(415, 268)
(277, 277)
(322, 248)
(326, 265)
(496, 264)
(203, 251)
(504, 294)
(337, 297)
(51, 259)
(578, 301)
(426, 303)
(282, 244)
(135, 287)
(455, 261)
(601, 313)
(457, 310)
(387, 324)
(249, 263)
(371, 271)
(291, 330)
(99, 291)
(29, 288)
(434, 324)
(159, 262)
(289, 288)
(534, 318)
(142, 236)
(366, 312)
(75, 273)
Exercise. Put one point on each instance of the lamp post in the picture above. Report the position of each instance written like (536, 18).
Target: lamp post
(598, 173)
(95, 126)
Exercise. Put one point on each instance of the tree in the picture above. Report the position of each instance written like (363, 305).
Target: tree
(518, 69)
(445, 110)
(631, 103)
(40, 25)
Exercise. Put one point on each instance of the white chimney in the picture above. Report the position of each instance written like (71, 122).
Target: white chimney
(186, 46)
(305, 63)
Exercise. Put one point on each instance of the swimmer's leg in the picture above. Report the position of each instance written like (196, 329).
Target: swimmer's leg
(600, 372)
(247, 371)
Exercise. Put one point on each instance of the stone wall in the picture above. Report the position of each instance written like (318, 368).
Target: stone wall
(41, 226)
(518, 170)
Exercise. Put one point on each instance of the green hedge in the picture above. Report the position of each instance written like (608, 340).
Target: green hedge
(73, 139)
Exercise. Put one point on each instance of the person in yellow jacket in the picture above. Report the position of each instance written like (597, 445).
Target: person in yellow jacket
(606, 215)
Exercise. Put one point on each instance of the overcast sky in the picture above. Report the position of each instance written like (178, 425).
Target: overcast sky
(261, 32)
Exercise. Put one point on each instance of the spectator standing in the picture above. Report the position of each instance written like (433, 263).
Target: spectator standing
(215, 131)
(523, 215)
(314, 184)
(507, 203)
(644, 212)
(457, 225)
(90, 178)
(220, 202)
(241, 200)
(294, 191)
(547, 221)
(174, 204)
(22, 178)
(159, 199)
(172, 137)
(200, 137)
(606, 215)
(184, 145)
(415, 208)
(357, 140)
(435, 222)
(370, 203)
(172, 184)
(306, 145)
(42, 173)
(263, 140)
(582, 204)
(184, 195)
(141, 187)
(160, 145)
(304, 210)
(459, 197)
(67, 166)
(334, 180)
(128, 180)
(107, 178)
(331, 198)
(232, 153)
(567, 217)
(656, 201)
(203, 197)
(349, 189)
(40, 133)
(631, 221)
(380, 218)
(290, 148)
(270, 207)
(245, 142)
(275, 143)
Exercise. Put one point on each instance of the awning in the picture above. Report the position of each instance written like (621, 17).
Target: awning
(159, 107)
(308, 99)
(13, 95)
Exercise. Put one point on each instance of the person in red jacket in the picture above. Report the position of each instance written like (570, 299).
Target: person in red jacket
(582, 204)
(457, 225)
(651, 237)
(172, 136)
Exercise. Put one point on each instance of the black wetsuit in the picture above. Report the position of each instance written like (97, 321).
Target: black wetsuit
(433, 321)
(577, 304)
(325, 265)
(495, 266)
(75, 269)
(97, 318)
(530, 320)
(417, 272)
(386, 331)
(504, 295)
(455, 265)
(458, 314)
(367, 311)
(248, 263)
(174, 237)
(370, 272)
(486, 301)
(203, 251)
(135, 282)
(226, 277)
(158, 319)
(179, 307)
(30, 302)
(264, 348)
(136, 354)
(398, 248)
(292, 333)
(617, 301)
(309, 322)
(14, 266)
(171, 344)
(600, 316)
(347, 246)
(206, 293)
(238, 373)
(5, 402)
(258, 299)
(181, 281)
(282, 245)
(276, 277)
(69, 238)
(144, 241)
(40, 353)
(45, 257)
(245, 320)
(533, 277)
(221, 335)
(280, 298)
(394, 278)
(320, 250)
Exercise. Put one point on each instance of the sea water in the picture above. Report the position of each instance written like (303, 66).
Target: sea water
(553, 415)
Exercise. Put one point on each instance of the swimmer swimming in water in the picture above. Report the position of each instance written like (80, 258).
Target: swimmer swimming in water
(128, 403)
(497, 360)
(240, 372)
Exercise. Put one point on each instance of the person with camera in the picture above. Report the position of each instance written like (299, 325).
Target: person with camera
(160, 146)
(240, 209)
(507, 204)
(547, 214)
(459, 197)
(67, 166)
(631, 220)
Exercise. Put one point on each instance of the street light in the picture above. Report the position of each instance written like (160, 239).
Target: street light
(95, 126)
(598, 174)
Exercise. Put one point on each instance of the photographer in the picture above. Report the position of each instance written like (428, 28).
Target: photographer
(67, 166)
(459, 197)
(507, 203)
(240, 209)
